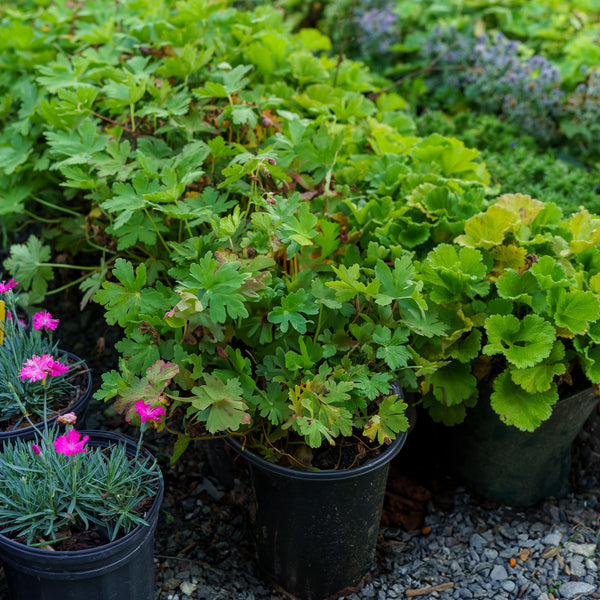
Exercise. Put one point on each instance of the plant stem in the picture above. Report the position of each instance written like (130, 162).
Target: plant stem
(160, 237)
(41, 219)
(319, 322)
(67, 285)
(66, 266)
(55, 207)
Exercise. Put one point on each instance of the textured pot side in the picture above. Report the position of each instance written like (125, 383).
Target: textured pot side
(514, 467)
(79, 407)
(315, 532)
(119, 570)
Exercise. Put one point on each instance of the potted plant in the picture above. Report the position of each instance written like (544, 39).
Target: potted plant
(284, 336)
(520, 289)
(78, 512)
(38, 381)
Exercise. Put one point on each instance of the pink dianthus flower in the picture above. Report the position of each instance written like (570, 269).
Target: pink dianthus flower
(33, 369)
(44, 319)
(5, 286)
(147, 412)
(70, 443)
(37, 367)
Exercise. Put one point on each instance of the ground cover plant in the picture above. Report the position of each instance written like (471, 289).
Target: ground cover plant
(517, 162)
(499, 71)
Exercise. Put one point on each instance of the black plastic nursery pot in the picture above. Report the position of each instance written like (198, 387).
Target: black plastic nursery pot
(315, 532)
(119, 570)
(78, 406)
(517, 468)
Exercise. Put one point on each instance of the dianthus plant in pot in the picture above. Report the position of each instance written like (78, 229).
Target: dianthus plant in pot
(78, 510)
(520, 289)
(38, 380)
(285, 337)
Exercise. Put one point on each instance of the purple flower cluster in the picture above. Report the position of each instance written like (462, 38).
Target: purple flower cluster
(376, 26)
(494, 76)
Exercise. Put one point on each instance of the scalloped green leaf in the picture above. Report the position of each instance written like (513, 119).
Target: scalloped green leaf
(291, 309)
(448, 415)
(508, 256)
(452, 384)
(148, 388)
(126, 301)
(455, 273)
(585, 230)
(392, 348)
(499, 306)
(452, 157)
(539, 378)
(550, 273)
(589, 358)
(574, 309)
(397, 284)
(488, 229)
(519, 408)
(466, 349)
(389, 420)
(523, 289)
(524, 207)
(224, 401)
(523, 342)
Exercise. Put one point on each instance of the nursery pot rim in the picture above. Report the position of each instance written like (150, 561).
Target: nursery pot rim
(381, 459)
(110, 547)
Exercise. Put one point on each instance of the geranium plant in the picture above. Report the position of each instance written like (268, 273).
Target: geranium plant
(35, 378)
(278, 330)
(520, 289)
(62, 488)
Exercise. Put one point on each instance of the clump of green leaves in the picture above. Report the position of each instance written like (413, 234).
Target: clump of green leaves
(520, 291)
(275, 330)
(251, 209)
(552, 176)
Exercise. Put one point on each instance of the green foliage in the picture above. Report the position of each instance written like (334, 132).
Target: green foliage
(275, 234)
(517, 163)
(230, 180)
(519, 287)
(278, 343)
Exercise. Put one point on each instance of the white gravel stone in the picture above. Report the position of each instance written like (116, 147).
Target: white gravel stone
(552, 539)
(586, 550)
(499, 573)
(573, 589)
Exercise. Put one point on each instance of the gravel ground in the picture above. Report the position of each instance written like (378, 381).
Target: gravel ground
(436, 540)
(464, 547)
